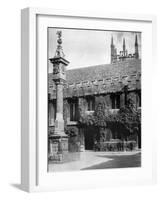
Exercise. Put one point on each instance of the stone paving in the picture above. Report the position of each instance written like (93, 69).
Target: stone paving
(119, 161)
(94, 160)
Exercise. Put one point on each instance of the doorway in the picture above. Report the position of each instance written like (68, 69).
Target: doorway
(89, 134)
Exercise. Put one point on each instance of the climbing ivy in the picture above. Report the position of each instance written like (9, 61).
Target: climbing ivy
(127, 119)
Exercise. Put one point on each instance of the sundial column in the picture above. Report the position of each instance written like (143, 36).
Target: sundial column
(59, 138)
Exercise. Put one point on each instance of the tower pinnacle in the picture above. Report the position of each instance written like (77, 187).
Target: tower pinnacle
(112, 50)
(124, 46)
(112, 41)
(136, 48)
(136, 40)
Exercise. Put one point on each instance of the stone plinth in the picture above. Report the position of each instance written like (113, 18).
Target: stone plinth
(58, 148)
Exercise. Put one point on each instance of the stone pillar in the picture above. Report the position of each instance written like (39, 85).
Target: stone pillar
(59, 122)
(59, 96)
(59, 138)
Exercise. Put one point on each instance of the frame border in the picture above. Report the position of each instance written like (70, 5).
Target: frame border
(29, 143)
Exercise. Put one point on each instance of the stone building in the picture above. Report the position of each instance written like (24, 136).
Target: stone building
(84, 87)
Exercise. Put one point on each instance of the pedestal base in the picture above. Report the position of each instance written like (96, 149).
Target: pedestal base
(58, 147)
(82, 148)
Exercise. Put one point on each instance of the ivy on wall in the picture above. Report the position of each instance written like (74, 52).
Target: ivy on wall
(127, 119)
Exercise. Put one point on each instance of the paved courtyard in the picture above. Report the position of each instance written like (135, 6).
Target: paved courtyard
(97, 160)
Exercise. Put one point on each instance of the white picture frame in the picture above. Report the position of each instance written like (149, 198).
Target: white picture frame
(33, 176)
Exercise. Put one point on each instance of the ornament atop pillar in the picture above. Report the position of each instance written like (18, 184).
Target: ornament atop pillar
(58, 61)
(59, 51)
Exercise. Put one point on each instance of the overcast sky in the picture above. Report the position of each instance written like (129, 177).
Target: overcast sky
(83, 48)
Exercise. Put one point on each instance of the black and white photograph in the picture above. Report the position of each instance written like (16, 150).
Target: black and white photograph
(94, 99)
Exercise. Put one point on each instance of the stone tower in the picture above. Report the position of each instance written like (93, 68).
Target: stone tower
(136, 48)
(124, 48)
(59, 139)
(112, 50)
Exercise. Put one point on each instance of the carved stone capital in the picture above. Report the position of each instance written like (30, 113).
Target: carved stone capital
(59, 81)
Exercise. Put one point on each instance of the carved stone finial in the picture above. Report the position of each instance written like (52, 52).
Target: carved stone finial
(59, 51)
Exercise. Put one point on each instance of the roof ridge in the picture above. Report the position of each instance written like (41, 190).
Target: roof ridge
(88, 67)
(99, 65)
(106, 64)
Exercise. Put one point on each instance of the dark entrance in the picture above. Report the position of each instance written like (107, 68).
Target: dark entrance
(139, 139)
(90, 133)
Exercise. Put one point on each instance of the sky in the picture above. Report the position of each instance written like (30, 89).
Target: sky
(83, 48)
